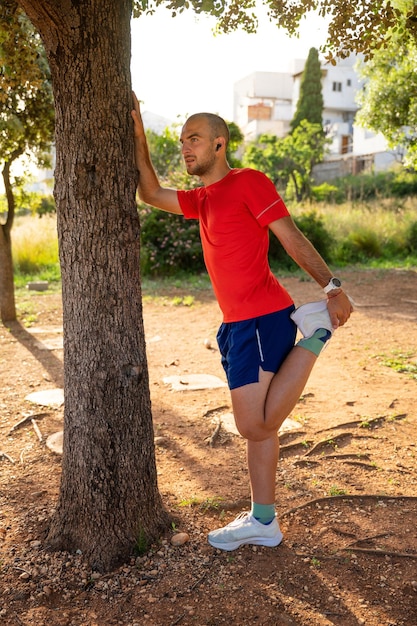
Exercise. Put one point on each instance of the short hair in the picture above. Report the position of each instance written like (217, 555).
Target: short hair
(217, 125)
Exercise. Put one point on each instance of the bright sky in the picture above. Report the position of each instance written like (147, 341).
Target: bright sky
(180, 68)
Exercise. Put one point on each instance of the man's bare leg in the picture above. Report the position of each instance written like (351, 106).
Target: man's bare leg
(262, 459)
(260, 408)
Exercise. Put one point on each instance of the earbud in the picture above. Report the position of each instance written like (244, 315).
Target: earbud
(219, 145)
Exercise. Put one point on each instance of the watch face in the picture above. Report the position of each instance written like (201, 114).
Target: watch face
(336, 282)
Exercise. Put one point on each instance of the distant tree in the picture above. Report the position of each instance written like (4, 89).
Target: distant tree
(265, 154)
(26, 124)
(388, 100)
(166, 151)
(310, 100)
(289, 161)
(236, 140)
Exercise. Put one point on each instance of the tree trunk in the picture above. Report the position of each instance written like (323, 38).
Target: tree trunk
(109, 499)
(7, 300)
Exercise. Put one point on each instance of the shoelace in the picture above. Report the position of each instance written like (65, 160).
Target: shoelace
(241, 516)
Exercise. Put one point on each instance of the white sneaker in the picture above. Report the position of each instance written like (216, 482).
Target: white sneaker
(312, 316)
(245, 529)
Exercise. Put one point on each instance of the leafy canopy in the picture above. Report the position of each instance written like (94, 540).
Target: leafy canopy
(359, 27)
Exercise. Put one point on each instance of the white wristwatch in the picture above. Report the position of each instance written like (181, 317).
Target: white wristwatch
(334, 283)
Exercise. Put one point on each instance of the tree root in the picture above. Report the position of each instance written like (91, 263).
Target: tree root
(333, 499)
(26, 419)
(375, 421)
(379, 552)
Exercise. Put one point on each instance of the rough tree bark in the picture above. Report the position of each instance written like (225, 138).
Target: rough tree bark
(7, 299)
(109, 498)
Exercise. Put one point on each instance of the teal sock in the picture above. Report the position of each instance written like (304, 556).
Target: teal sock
(316, 342)
(264, 513)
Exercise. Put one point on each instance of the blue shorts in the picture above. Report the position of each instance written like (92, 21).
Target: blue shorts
(262, 342)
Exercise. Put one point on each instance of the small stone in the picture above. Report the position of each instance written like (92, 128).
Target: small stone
(179, 539)
(55, 442)
(39, 285)
(24, 576)
(162, 442)
(414, 584)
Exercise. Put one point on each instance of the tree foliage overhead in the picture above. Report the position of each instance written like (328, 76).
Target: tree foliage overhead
(359, 27)
(310, 101)
(389, 98)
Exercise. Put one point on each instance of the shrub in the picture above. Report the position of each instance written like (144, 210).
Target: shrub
(327, 193)
(364, 187)
(360, 245)
(169, 243)
(411, 244)
(404, 184)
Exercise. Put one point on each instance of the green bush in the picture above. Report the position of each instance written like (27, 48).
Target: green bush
(169, 243)
(365, 187)
(327, 193)
(360, 245)
(313, 228)
(404, 184)
(411, 244)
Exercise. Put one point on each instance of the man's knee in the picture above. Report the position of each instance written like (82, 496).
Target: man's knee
(253, 431)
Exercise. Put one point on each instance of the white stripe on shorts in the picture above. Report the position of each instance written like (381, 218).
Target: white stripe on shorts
(259, 346)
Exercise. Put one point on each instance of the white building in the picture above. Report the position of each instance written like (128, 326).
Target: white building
(265, 102)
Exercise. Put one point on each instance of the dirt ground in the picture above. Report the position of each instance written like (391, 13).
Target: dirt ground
(345, 486)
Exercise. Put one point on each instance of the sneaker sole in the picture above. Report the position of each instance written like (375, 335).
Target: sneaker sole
(269, 542)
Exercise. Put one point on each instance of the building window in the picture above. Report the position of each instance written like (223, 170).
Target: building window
(349, 82)
(337, 86)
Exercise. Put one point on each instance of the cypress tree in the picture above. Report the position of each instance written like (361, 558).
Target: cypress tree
(310, 100)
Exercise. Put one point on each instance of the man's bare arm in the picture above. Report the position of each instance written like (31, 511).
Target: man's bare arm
(149, 189)
(306, 256)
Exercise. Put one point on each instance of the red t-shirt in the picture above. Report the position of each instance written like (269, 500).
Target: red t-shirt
(234, 214)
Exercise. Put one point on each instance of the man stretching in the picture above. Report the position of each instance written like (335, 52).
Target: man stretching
(266, 372)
